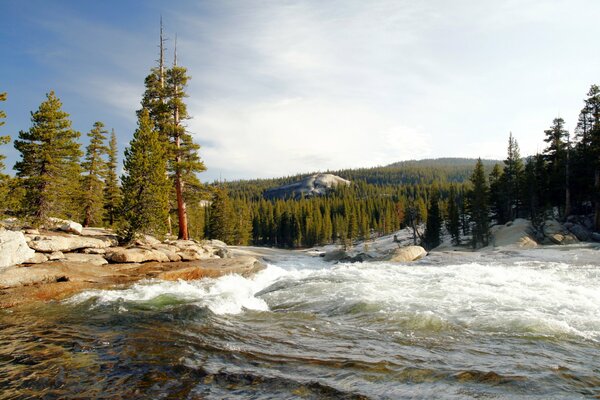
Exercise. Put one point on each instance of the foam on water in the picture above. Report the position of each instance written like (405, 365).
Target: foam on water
(520, 298)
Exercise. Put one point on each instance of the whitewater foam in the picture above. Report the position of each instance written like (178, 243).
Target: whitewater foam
(518, 298)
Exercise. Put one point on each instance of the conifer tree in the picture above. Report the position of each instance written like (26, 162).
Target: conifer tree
(453, 222)
(478, 207)
(145, 187)
(498, 198)
(49, 163)
(221, 224)
(184, 160)
(112, 192)
(433, 224)
(3, 139)
(95, 168)
(512, 176)
(4, 179)
(555, 156)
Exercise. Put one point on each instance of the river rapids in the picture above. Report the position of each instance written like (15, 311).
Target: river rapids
(522, 325)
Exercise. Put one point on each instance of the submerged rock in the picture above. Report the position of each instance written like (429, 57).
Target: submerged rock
(13, 248)
(407, 254)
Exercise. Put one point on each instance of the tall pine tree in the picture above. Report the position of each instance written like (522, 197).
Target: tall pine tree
(453, 222)
(433, 225)
(511, 178)
(221, 224)
(555, 156)
(112, 192)
(479, 207)
(184, 159)
(49, 163)
(3, 139)
(95, 168)
(145, 189)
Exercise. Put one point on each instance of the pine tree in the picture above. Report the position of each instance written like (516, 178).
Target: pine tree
(453, 222)
(112, 192)
(3, 139)
(478, 207)
(4, 179)
(498, 198)
(221, 225)
(555, 156)
(185, 162)
(95, 168)
(49, 163)
(145, 187)
(433, 225)
(512, 176)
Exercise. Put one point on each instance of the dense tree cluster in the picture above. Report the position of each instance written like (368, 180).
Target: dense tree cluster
(159, 187)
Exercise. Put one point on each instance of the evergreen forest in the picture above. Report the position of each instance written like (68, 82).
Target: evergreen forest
(161, 193)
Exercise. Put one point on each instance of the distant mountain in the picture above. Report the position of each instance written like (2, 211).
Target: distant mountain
(443, 162)
(314, 185)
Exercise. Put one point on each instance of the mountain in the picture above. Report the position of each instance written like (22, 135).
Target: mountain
(317, 184)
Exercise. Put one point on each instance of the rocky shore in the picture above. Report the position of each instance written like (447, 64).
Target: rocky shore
(64, 258)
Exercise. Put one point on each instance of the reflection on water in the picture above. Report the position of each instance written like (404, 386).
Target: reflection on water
(310, 330)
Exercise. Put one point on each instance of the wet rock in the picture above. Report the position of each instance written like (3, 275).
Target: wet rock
(224, 252)
(37, 258)
(335, 255)
(135, 255)
(244, 265)
(93, 259)
(595, 236)
(580, 231)
(52, 243)
(19, 276)
(556, 233)
(13, 248)
(407, 254)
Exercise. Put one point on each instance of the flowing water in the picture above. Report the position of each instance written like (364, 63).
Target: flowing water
(499, 326)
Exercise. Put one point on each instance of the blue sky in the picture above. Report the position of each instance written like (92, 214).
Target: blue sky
(280, 87)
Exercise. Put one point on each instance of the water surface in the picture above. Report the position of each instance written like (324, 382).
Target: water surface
(508, 325)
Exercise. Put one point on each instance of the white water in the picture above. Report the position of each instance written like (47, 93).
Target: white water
(522, 298)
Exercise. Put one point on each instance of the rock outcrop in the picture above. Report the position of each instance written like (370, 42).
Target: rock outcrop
(314, 185)
(407, 254)
(13, 248)
(134, 255)
(65, 226)
(50, 243)
(517, 233)
(555, 233)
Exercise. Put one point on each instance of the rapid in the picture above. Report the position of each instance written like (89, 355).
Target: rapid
(520, 325)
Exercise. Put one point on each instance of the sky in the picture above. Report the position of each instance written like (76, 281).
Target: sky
(285, 87)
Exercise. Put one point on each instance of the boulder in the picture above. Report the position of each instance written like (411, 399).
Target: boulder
(135, 255)
(147, 240)
(93, 251)
(93, 259)
(580, 232)
(37, 258)
(13, 248)
(56, 256)
(19, 276)
(65, 225)
(595, 236)
(556, 233)
(515, 233)
(407, 254)
(335, 255)
(52, 243)
(244, 265)
(224, 252)
(192, 255)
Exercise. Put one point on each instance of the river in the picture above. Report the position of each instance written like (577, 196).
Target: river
(522, 325)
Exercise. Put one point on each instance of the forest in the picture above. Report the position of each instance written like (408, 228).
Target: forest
(160, 192)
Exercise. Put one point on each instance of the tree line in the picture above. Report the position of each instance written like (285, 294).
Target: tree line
(55, 178)
(159, 192)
